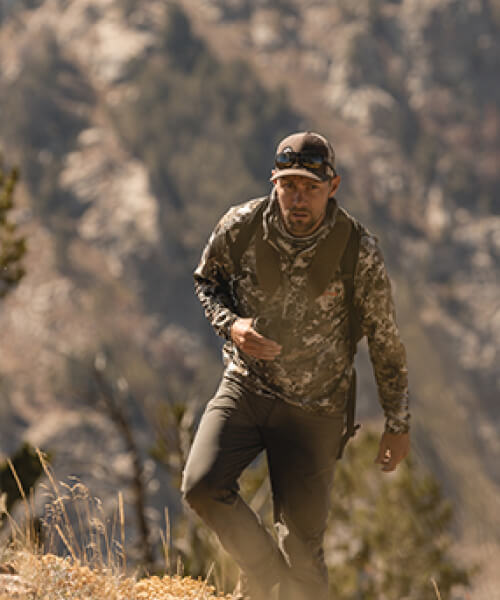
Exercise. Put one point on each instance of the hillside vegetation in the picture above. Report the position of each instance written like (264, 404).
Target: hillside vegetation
(136, 124)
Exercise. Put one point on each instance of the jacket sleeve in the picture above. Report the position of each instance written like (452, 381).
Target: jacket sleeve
(373, 297)
(212, 283)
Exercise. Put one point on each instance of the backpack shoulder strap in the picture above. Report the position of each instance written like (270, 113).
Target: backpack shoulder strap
(328, 255)
(267, 259)
(240, 244)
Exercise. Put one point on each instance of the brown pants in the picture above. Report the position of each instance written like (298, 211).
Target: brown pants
(301, 450)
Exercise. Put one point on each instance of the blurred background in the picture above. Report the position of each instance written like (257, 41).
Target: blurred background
(134, 125)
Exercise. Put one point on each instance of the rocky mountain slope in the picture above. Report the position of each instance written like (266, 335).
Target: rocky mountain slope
(136, 123)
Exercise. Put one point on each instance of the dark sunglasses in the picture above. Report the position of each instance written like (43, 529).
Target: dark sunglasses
(284, 160)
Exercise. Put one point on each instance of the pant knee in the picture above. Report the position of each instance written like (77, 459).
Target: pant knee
(195, 493)
(199, 493)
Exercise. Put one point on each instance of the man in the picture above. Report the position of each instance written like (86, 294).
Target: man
(281, 304)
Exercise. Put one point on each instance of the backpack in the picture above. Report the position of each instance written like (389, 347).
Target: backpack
(339, 248)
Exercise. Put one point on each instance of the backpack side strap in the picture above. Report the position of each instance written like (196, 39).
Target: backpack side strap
(348, 268)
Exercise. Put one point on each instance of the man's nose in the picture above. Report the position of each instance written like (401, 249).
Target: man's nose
(299, 198)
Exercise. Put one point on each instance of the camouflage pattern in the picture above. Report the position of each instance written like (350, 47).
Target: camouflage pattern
(314, 369)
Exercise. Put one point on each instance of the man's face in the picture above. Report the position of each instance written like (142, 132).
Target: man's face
(303, 202)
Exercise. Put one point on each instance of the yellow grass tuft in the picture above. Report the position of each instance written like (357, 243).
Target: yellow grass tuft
(47, 576)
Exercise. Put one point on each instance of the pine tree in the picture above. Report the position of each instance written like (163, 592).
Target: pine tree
(12, 249)
(388, 535)
(12, 246)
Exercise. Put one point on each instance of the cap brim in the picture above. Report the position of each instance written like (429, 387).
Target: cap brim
(295, 171)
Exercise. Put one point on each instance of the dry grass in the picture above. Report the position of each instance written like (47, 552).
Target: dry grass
(95, 563)
(49, 577)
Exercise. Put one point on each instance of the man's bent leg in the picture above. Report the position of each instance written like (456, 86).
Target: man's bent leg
(302, 450)
(227, 440)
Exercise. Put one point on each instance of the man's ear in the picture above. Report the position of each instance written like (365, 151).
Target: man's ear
(334, 184)
(275, 184)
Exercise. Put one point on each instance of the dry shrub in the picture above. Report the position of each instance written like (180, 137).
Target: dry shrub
(48, 577)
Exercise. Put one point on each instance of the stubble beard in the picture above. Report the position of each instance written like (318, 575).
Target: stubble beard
(302, 227)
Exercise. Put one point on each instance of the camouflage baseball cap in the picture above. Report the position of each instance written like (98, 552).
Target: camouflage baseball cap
(305, 153)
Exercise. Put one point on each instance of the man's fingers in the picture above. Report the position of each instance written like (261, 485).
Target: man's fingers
(382, 456)
(392, 463)
(388, 459)
(259, 346)
(264, 342)
(264, 353)
(259, 351)
(252, 342)
(259, 343)
(393, 449)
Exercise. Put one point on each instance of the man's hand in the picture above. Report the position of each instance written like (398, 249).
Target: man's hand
(394, 447)
(253, 343)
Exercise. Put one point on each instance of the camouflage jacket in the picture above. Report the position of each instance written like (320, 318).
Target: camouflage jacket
(314, 369)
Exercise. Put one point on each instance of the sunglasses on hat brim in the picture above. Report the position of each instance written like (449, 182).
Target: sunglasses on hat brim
(285, 160)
